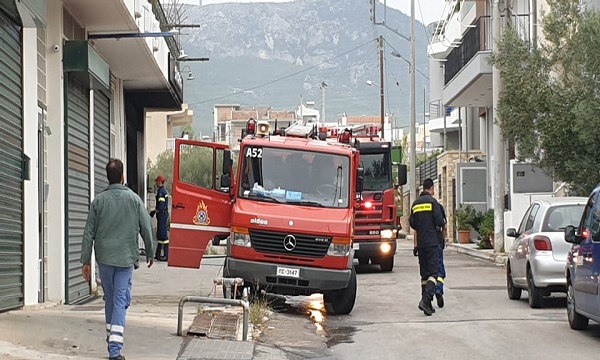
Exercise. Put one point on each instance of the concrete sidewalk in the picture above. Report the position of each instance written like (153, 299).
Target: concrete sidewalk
(78, 332)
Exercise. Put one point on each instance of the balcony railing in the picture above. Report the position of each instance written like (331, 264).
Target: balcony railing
(159, 12)
(479, 38)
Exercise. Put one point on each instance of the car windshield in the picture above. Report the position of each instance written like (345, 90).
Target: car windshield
(559, 217)
(295, 177)
(377, 171)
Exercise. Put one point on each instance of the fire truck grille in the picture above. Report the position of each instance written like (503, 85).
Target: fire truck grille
(281, 243)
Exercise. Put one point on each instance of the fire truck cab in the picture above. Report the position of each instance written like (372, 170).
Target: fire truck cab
(375, 221)
(287, 208)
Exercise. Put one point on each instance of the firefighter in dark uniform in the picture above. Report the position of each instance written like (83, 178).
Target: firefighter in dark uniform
(162, 217)
(426, 218)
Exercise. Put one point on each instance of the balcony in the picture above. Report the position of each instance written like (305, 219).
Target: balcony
(468, 73)
(152, 68)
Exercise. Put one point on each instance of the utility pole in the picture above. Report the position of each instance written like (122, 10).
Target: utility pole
(413, 115)
(381, 76)
(534, 21)
(498, 157)
(424, 133)
(323, 86)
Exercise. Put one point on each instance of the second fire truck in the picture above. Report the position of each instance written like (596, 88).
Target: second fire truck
(375, 222)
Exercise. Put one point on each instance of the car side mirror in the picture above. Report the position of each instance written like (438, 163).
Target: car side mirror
(571, 235)
(511, 232)
(360, 180)
(402, 171)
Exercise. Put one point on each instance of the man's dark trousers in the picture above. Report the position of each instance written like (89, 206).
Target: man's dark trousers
(428, 267)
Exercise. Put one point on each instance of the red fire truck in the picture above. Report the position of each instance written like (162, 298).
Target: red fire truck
(375, 221)
(287, 210)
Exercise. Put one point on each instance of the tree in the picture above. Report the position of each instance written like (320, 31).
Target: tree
(548, 106)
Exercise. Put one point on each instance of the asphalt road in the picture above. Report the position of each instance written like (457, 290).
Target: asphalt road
(478, 321)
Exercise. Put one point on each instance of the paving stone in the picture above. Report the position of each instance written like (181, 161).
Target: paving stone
(208, 349)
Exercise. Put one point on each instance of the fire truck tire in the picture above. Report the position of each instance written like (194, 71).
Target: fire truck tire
(387, 264)
(341, 302)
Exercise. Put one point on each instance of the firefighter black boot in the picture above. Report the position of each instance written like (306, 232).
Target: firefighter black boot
(425, 303)
(440, 300)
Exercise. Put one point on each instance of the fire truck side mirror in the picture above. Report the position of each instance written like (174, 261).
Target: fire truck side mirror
(226, 171)
(225, 181)
(360, 179)
(227, 162)
(402, 174)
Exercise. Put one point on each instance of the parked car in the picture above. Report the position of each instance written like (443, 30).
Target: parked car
(583, 266)
(538, 256)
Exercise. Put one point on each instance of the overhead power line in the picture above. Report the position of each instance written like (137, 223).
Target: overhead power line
(284, 77)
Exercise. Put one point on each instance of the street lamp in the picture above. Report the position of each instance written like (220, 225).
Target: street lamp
(189, 71)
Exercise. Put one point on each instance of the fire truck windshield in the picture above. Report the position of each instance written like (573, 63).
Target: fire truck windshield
(377, 171)
(295, 177)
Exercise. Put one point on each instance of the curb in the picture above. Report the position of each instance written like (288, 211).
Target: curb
(495, 258)
(499, 259)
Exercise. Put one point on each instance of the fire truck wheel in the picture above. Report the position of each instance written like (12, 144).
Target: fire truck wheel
(387, 264)
(341, 302)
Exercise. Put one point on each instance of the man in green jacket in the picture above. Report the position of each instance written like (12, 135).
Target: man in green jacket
(117, 215)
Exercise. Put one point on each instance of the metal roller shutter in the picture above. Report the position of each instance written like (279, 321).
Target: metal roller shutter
(101, 140)
(11, 150)
(78, 186)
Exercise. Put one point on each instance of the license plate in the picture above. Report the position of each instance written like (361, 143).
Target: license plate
(355, 246)
(289, 272)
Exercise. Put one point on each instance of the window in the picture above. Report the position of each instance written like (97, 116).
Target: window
(586, 219)
(531, 217)
(295, 177)
(521, 229)
(196, 165)
(559, 217)
(377, 171)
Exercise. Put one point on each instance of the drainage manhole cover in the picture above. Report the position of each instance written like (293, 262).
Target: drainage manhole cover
(479, 288)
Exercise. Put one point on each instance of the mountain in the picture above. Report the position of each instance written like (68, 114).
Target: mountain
(272, 54)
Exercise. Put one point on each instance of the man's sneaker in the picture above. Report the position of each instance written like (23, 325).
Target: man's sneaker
(440, 300)
(120, 357)
(427, 310)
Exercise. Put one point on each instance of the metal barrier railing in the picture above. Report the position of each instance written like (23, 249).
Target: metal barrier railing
(244, 303)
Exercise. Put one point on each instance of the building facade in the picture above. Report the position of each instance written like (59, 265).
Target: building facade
(73, 94)
(231, 119)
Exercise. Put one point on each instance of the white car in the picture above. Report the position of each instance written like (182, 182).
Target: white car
(537, 259)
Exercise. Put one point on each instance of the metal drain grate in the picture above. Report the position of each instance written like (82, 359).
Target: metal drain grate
(215, 325)
(201, 325)
(224, 326)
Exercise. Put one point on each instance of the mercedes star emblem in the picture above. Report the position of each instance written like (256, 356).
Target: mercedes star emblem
(289, 242)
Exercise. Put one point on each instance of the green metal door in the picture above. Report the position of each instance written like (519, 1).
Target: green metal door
(101, 140)
(78, 186)
(11, 174)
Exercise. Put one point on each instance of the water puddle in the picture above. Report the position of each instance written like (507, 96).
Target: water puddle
(313, 306)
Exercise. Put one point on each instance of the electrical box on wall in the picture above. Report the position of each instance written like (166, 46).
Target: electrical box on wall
(527, 178)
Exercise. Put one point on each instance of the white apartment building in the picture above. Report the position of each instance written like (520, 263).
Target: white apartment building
(73, 93)
(461, 108)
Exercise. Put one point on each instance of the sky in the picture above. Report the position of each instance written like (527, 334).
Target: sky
(431, 10)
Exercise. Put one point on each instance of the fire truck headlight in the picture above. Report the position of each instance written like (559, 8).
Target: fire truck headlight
(387, 234)
(385, 248)
(240, 237)
(339, 247)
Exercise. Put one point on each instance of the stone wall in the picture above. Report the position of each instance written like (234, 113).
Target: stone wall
(446, 173)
